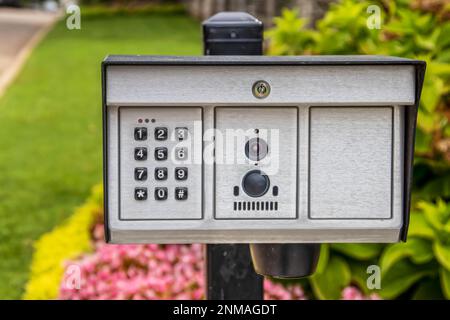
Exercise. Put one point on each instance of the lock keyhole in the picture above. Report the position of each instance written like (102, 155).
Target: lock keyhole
(261, 89)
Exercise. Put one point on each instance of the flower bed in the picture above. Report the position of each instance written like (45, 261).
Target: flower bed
(74, 262)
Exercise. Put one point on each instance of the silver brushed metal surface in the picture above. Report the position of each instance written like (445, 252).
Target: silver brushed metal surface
(219, 85)
(350, 163)
(278, 127)
(365, 222)
(170, 118)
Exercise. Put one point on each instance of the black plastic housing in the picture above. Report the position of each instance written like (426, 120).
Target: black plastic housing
(232, 33)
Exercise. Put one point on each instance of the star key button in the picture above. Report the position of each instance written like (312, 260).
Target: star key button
(140, 194)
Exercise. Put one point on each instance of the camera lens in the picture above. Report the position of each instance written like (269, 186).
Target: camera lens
(256, 149)
(255, 183)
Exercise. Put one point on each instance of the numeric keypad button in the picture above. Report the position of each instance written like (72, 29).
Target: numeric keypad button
(140, 193)
(181, 173)
(161, 133)
(160, 173)
(181, 153)
(181, 133)
(140, 174)
(140, 133)
(140, 153)
(181, 193)
(161, 153)
(160, 193)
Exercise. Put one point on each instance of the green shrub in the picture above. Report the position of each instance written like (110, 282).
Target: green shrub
(419, 268)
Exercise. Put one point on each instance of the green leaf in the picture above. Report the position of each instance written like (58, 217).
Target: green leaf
(442, 253)
(445, 282)
(330, 283)
(402, 276)
(423, 140)
(438, 187)
(428, 290)
(418, 250)
(359, 251)
(323, 259)
(419, 227)
(436, 215)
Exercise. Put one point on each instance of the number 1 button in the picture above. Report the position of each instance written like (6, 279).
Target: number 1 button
(140, 134)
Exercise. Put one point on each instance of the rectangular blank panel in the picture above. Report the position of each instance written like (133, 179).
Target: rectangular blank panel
(350, 163)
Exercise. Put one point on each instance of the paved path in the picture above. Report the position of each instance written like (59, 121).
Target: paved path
(20, 31)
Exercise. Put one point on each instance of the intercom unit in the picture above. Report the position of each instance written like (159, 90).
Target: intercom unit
(239, 149)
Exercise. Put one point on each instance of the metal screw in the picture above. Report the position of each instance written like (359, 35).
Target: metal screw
(261, 89)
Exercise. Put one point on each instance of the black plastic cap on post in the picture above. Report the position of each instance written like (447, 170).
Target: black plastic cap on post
(232, 33)
(285, 261)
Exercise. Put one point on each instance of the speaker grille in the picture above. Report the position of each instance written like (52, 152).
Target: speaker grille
(255, 205)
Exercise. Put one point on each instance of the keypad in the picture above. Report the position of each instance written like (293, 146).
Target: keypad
(161, 154)
(160, 170)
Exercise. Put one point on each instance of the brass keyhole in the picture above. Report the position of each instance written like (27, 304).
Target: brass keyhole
(261, 89)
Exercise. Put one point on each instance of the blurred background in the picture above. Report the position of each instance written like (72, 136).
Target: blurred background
(51, 235)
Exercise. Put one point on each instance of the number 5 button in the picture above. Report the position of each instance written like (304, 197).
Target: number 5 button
(161, 153)
(181, 173)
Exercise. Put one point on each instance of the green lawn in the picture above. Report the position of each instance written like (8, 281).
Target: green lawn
(50, 125)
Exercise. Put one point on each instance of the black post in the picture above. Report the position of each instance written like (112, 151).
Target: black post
(229, 269)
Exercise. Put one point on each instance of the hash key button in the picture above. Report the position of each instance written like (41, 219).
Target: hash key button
(181, 193)
(140, 193)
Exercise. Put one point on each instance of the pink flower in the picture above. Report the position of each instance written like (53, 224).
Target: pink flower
(148, 271)
(353, 293)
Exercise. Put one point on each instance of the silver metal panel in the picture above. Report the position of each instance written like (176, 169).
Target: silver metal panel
(170, 118)
(344, 87)
(219, 85)
(350, 163)
(278, 127)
